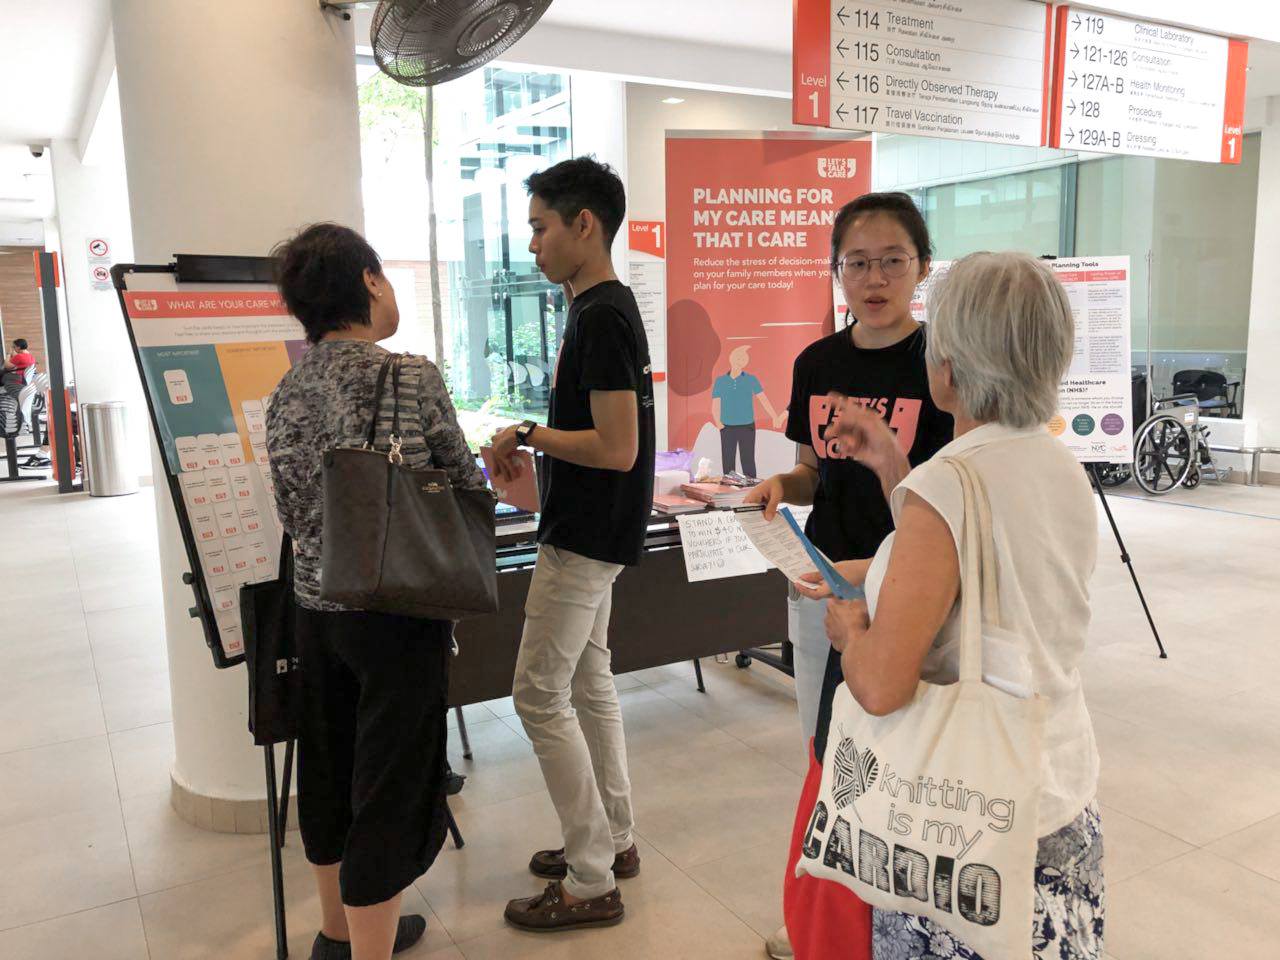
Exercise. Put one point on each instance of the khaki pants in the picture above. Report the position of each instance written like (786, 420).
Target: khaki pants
(565, 697)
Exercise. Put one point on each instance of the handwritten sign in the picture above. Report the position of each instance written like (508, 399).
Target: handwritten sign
(716, 546)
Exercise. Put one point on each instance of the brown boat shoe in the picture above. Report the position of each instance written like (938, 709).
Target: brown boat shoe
(548, 912)
(551, 865)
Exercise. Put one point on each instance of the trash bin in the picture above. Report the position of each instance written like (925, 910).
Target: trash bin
(106, 441)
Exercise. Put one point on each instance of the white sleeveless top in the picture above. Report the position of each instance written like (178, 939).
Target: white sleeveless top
(1046, 545)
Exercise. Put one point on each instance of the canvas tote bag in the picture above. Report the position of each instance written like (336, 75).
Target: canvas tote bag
(932, 810)
(403, 541)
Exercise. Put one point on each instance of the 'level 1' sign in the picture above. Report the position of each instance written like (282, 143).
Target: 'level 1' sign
(1127, 86)
(964, 69)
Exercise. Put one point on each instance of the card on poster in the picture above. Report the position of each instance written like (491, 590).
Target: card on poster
(228, 519)
(225, 594)
(232, 450)
(259, 549)
(194, 491)
(214, 556)
(188, 453)
(204, 525)
(251, 520)
(210, 450)
(238, 559)
(255, 417)
(241, 482)
(179, 387)
(218, 483)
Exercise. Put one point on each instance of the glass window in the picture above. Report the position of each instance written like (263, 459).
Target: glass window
(1021, 211)
(1197, 220)
(501, 322)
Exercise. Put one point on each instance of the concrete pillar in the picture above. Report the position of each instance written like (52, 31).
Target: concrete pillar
(240, 125)
(1262, 374)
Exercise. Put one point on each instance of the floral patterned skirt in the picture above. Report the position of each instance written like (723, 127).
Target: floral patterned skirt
(1070, 905)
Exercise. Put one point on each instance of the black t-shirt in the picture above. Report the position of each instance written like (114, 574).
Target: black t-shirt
(601, 514)
(850, 514)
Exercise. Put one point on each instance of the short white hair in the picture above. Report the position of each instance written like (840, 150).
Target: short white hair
(1004, 322)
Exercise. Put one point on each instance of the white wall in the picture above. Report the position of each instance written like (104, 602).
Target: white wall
(1262, 399)
(600, 129)
(93, 201)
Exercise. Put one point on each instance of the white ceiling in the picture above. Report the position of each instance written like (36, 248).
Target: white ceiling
(753, 24)
(26, 184)
(49, 51)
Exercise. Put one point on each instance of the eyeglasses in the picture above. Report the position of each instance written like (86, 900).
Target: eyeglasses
(892, 265)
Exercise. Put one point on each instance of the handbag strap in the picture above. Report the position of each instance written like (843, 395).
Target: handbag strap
(377, 400)
(979, 599)
(286, 555)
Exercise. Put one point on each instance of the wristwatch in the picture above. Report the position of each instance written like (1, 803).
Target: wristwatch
(524, 431)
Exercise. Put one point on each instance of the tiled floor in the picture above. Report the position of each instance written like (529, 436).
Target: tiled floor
(96, 864)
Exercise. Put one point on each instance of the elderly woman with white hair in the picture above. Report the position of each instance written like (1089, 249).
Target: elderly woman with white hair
(1000, 340)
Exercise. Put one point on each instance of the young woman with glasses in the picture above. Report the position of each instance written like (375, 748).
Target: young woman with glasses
(880, 251)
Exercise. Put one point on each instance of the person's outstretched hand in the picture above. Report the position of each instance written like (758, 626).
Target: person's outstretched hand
(505, 464)
(865, 436)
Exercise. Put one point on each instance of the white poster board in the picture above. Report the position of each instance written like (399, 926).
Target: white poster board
(1095, 406)
(210, 355)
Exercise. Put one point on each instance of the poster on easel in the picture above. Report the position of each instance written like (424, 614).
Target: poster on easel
(1095, 406)
(210, 354)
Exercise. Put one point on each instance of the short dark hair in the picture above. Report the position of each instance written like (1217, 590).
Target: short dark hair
(583, 183)
(20, 344)
(320, 273)
(900, 206)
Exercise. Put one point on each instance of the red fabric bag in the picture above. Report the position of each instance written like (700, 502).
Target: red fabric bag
(824, 920)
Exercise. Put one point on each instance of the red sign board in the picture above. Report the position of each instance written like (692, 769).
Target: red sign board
(1149, 89)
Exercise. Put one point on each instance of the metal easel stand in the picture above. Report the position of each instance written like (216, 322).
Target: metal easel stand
(277, 827)
(1124, 556)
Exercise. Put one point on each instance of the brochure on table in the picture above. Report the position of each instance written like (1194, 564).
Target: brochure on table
(210, 356)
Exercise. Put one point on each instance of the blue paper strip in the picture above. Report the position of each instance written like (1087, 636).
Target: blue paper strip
(840, 587)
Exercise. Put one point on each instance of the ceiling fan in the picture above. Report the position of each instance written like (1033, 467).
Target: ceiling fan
(422, 43)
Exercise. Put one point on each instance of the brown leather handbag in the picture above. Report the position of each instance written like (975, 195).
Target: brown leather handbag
(403, 541)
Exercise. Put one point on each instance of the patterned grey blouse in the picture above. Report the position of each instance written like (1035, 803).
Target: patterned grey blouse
(326, 401)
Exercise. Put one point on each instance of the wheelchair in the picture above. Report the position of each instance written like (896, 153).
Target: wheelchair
(1170, 446)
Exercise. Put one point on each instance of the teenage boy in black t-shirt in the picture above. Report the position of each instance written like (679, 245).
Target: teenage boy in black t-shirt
(597, 493)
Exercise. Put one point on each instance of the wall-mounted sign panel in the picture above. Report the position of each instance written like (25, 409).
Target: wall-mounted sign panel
(964, 69)
(1127, 86)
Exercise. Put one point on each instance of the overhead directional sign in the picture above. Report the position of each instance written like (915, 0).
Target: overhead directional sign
(963, 69)
(1127, 86)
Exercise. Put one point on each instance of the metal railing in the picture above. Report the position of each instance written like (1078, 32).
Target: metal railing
(1255, 453)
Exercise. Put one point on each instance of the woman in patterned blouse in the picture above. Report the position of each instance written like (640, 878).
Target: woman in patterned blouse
(372, 757)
